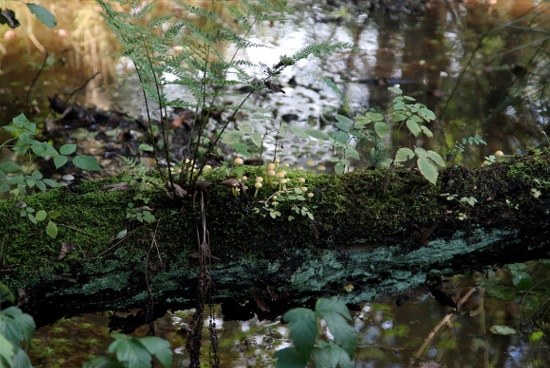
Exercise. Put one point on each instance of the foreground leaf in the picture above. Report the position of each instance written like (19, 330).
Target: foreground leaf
(302, 323)
(85, 162)
(43, 15)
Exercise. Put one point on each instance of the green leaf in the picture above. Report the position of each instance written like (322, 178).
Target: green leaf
(404, 154)
(59, 161)
(302, 323)
(344, 123)
(7, 350)
(317, 134)
(413, 126)
(395, 90)
(51, 229)
(43, 15)
(122, 234)
(536, 336)
(336, 314)
(340, 168)
(426, 113)
(290, 358)
(351, 152)
(330, 356)
(522, 280)
(374, 116)
(36, 175)
(399, 117)
(51, 183)
(146, 147)
(9, 166)
(86, 163)
(326, 306)
(435, 157)
(330, 83)
(502, 330)
(426, 131)
(21, 359)
(43, 149)
(103, 362)
(428, 169)
(159, 348)
(131, 352)
(32, 219)
(67, 149)
(382, 129)
(22, 325)
(41, 215)
(256, 138)
(54, 214)
(341, 137)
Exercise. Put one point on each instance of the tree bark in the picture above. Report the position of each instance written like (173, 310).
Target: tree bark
(374, 232)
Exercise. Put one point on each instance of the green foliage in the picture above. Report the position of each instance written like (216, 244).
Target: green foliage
(191, 53)
(312, 343)
(134, 352)
(16, 328)
(8, 17)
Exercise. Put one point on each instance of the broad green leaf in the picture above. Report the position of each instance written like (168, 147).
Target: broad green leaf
(21, 122)
(326, 306)
(382, 129)
(522, 280)
(59, 161)
(435, 157)
(43, 15)
(21, 359)
(86, 163)
(290, 358)
(413, 126)
(351, 152)
(9, 166)
(317, 134)
(36, 175)
(302, 323)
(67, 149)
(51, 229)
(341, 137)
(426, 113)
(159, 348)
(30, 182)
(51, 183)
(41, 215)
(374, 116)
(344, 123)
(256, 138)
(340, 168)
(133, 353)
(22, 322)
(428, 169)
(502, 330)
(398, 117)
(298, 131)
(331, 356)
(146, 147)
(404, 154)
(43, 149)
(7, 350)
(31, 217)
(246, 128)
(420, 152)
(396, 90)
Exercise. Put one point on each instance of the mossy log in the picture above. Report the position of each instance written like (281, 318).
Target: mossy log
(373, 232)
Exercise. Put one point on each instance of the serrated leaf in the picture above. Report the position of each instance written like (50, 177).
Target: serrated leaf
(133, 353)
(351, 152)
(41, 215)
(51, 229)
(344, 334)
(40, 185)
(426, 113)
(317, 134)
(413, 126)
(43, 15)
(344, 123)
(428, 169)
(86, 162)
(67, 149)
(159, 348)
(246, 128)
(404, 154)
(59, 161)
(326, 306)
(341, 137)
(398, 117)
(302, 323)
(382, 129)
(290, 358)
(36, 175)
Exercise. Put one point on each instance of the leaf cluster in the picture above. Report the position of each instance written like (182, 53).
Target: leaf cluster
(328, 347)
(16, 328)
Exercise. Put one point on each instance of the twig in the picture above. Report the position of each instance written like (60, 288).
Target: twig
(35, 79)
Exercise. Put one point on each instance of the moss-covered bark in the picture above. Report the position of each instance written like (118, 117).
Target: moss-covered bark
(374, 231)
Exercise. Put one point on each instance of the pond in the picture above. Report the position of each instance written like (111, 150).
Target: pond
(388, 335)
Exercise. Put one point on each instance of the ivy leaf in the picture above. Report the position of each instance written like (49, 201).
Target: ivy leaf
(43, 15)
(51, 229)
(290, 358)
(159, 348)
(302, 323)
(428, 169)
(86, 162)
(67, 149)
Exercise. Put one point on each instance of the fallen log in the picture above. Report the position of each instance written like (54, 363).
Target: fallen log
(374, 232)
